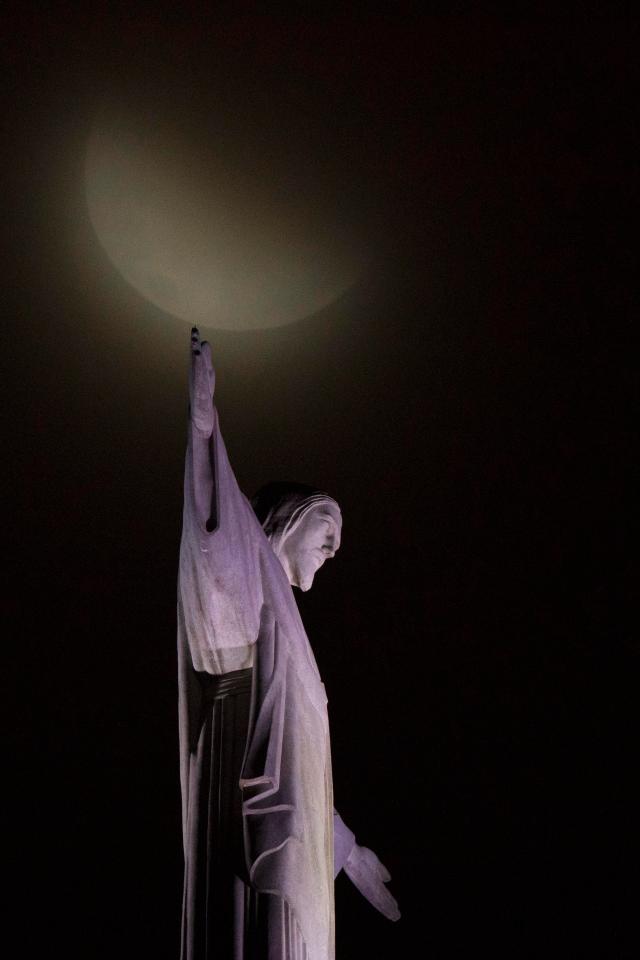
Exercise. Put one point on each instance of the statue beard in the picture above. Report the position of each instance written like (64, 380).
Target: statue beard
(305, 571)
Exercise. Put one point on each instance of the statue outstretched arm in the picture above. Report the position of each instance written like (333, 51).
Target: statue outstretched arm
(201, 425)
(220, 587)
(363, 868)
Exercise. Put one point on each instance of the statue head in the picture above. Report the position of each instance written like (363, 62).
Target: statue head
(303, 526)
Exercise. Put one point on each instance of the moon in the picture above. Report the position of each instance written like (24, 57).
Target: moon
(210, 242)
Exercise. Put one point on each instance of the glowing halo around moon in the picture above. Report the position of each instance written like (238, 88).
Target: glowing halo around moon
(208, 244)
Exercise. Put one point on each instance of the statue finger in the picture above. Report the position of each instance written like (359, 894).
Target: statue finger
(375, 864)
(384, 902)
(388, 905)
(379, 897)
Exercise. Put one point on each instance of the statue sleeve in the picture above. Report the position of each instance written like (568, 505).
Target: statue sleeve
(219, 582)
(343, 843)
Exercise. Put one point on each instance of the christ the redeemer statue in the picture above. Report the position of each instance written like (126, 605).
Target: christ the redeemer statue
(262, 842)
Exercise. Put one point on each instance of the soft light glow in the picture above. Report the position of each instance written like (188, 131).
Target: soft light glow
(207, 244)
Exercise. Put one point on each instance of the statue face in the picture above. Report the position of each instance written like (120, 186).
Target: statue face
(316, 538)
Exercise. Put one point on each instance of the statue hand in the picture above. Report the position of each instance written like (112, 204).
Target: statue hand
(201, 384)
(369, 875)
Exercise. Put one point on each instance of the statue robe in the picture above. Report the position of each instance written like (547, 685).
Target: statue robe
(236, 606)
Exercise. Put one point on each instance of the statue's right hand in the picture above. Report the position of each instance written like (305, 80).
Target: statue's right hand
(201, 385)
(369, 875)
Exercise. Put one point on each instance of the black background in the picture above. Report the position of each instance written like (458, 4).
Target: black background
(468, 403)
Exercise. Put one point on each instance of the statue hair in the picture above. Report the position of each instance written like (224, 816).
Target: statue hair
(281, 505)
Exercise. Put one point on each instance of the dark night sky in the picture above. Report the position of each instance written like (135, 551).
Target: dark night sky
(467, 402)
